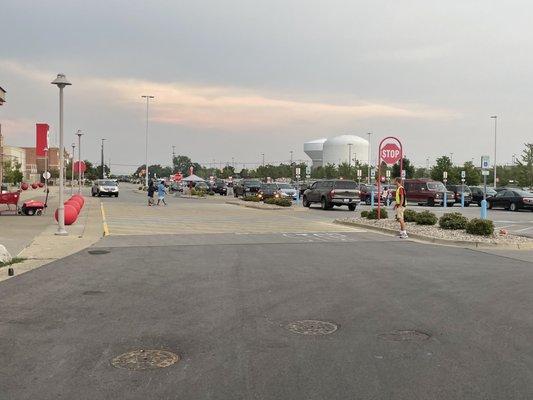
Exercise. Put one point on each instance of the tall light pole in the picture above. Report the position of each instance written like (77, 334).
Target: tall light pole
(349, 156)
(263, 155)
(61, 81)
(495, 117)
(147, 97)
(72, 171)
(102, 159)
(79, 134)
(369, 156)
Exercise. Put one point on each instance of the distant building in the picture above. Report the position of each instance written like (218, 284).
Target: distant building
(2, 96)
(337, 150)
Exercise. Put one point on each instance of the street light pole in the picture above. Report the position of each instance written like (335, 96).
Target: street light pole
(349, 156)
(61, 81)
(72, 171)
(263, 155)
(369, 153)
(79, 160)
(147, 97)
(495, 117)
(102, 160)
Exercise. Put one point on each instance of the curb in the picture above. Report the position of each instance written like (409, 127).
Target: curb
(256, 206)
(446, 242)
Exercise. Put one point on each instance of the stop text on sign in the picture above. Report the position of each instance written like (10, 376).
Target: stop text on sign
(390, 153)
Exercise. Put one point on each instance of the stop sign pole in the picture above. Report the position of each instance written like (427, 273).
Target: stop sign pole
(390, 153)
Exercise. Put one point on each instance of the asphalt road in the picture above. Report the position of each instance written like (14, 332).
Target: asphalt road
(224, 302)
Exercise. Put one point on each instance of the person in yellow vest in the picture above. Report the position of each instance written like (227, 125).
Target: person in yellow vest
(399, 206)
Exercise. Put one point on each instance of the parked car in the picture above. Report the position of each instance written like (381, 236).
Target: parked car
(426, 191)
(287, 190)
(220, 187)
(268, 190)
(247, 187)
(333, 192)
(512, 200)
(202, 186)
(107, 187)
(366, 193)
(457, 190)
(477, 194)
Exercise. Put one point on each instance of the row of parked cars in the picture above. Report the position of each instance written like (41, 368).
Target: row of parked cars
(341, 192)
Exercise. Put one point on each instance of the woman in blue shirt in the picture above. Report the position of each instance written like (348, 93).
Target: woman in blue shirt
(161, 190)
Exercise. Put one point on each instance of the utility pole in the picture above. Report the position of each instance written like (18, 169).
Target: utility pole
(1, 156)
(79, 160)
(495, 117)
(263, 155)
(349, 155)
(72, 171)
(102, 160)
(173, 156)
(147, 97)
(369, 156)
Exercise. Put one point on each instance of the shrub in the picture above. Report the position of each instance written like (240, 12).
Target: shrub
(453, 220)
(198, 192)
(483, 227)
(211, 193)
(279, 202)
(373, 214)
(364, 214)
(254, 198)
(426, 218)
(409, 215)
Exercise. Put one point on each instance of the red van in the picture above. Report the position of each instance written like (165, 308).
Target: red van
(428, 192)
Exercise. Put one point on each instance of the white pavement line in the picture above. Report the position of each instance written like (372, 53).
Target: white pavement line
(523, 230)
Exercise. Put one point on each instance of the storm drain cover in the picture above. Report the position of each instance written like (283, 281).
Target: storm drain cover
(404, 336)
(312, 327)
(96, 252)
(141, 360)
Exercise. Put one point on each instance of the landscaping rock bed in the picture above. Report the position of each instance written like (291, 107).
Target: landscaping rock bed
(436, 234)
(258, 205)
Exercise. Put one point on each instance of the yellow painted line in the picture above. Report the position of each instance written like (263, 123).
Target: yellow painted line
(104, 222)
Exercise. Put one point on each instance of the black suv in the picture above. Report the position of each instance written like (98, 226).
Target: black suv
(334, 192)
(477, 193)
(247, 187)
(457, 190)
(220, 187)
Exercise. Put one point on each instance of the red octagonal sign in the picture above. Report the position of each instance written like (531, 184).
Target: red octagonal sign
(391, 153)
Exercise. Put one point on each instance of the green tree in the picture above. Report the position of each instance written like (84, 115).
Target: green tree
(183, 163)
(525, 166)
(12, 172)
(473, 175)
(409, 169)
(443, 164)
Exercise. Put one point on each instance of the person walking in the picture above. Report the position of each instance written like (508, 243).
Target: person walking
(399, 206)
(151, 191)
(161, 191)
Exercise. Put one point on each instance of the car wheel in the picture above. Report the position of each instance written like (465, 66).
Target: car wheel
(30, 211)
(351, 207)
(324, 204)
(513, 207)
(467, 204)
(99, 194)
(431, 202)
(116, 195)
(305, 202)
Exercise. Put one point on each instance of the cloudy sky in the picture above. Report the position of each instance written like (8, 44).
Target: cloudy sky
(237, 78)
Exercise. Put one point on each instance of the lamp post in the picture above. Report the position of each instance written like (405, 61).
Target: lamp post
(495, 117)
(292, 169)
(369, 153)
(349, 156)
(147, 97)
(263, 155)
(61, 81)
(79, 160)
(102, 159)
(72, 171)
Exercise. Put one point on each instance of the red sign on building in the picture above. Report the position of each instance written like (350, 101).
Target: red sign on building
(41, 139)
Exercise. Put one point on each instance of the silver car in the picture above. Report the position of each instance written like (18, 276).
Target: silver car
(287, 190)
(105, 187)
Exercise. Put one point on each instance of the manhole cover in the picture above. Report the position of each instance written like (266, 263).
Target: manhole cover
(312, 327)
(92, 292)
(140, 360)
(404, 336)
(98, 251)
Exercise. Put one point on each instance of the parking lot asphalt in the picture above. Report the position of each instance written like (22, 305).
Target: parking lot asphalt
(413, 321)
(225, 306)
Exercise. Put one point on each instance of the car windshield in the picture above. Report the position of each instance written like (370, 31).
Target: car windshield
(284, 186)
(252, 183)
(346, 185)
(107, 183)
(490, 191)
(436, 186)
(460, 189)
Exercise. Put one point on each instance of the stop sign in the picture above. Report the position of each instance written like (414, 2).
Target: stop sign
(391, 153)
(79, 167)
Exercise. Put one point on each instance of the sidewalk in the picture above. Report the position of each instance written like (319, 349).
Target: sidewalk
(45, 246)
